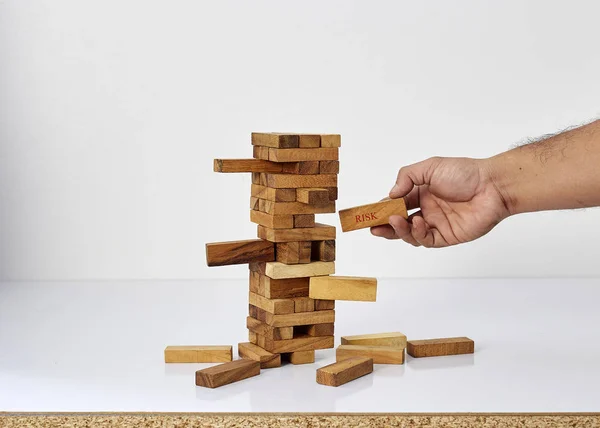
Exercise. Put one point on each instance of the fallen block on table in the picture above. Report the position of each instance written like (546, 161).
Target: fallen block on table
(239, 252)
(396, 339)
(266, 359)
(198, 354)
(343, 288)
(342, 372)
(372, 214)
(440, 347)
(227, 373)
(379, 354)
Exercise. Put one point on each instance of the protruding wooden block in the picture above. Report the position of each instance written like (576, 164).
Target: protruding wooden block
(247, 165)
(260, 152)
(318, 233)
(293, 252)
(329, 167)
(227, 373)
(283, 288)
(282, 208)
(372, 214)
(323, 251)
(303, 343)
(289, 181)
(302, 155)
(342, 372)
(278, 270)
(331, 140)
(310, 141)
(320, 329)
(302, 357)
(302, 168)
(313, 196)
(272, 221)
(239, 252)
(276, 140)
(198, 354)
(254, 352)
(324, 305)
(440, 347)
(379, 354)
(272, 194)
(395, 339)
(272, 333)
(304, 304)
(292, 320)
(343, 288)
(304, 220)
(274, 306)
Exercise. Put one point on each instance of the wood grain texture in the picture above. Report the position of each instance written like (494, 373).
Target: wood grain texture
(252, 337)
(324, 305)
(301, 168)
(287, 208)
(248, 165)
(272, 221)
(372, 214)
(278, 270)
(304, 304)
(198, 354)
(343, 288)
(292, 253)
(318, 233)
(304, 220)
(283, 288)
(260, 152)
(303, 343)
(239, 252)
(301, 357)
(331, 140)
(333, 193)
(320, 329)
(313, 196)
(309, 141)
(303, 155)
(273, 333)
(293, 320)
(329, 167)
(379, 354)
(293, 181)
(272, 194)
(254, 352)
(255, 203)
(342, 372)
(273, 139)
(323, 251)
(440, 347)
(274, 306)
(227, 373)
(394, 339)
(254, 283)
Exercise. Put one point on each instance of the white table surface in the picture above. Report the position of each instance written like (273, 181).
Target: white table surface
(98, 346)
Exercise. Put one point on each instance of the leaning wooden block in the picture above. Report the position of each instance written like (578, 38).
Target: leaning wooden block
(238, 252)
(329, 167)
(273, 333)
(272, 194)
(302, 357)
(372, 214)
(278, 270)
(254, 352)
(302, 168)
(379, 354)
(318, 233)
(301, 155)
(272, 221)
(331, 140)
(274, 306)
(198, 354)
(273, 139)
(440, 347)
(293, 181)
(292, 253)
(342, 372)
(343, 288)
(246, 165)
(310, 141)
(323, 251)
(292, 320)
(304, 220)
(302, 343)
(227, 373)
(396, 339)
(286, 208)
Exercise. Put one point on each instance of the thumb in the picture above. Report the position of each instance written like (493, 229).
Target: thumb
(413, 175)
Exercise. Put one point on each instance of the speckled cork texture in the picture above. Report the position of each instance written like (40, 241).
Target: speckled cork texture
(183, 420)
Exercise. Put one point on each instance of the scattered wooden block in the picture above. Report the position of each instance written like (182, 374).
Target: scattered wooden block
(396, 340)
(272, 333)
(318, 233)
(238, 252)
(273, 139)
(323, 251)
(320, 329)
(293, 252)
(343, 288)
(304, 220)
(331, 140)
(283, 288)
(342, 372)
(281, 208)
(274, 306)
(302, 357)
(198, 354)
(278, 270)
(272, 221)
(310, 141)
(329, 167)
(304, 304)
(440, 347)
(260, 152)
(379, 354)
(227, 373)
(247, 165)
(254, 352)
(372, 214)
(302, 168)
(324, 305)
(313, 196)
(289, 181)
(272, 194)
(292, 320)
(302, 155)
(303, 343)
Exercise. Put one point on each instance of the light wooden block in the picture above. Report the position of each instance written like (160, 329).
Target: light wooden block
(274, 306)
(302, 168)
(309, 141)
(331, 140)
(293, 181)
(302, 155)
(273, 139)
(292, 320)
(379, 354)
(323, 251)
(293, 252)
(304, 304)
(395, 339)
(324, 305)
(272, 194)
(343, 288)
(272, 221)
(254, 352)
(329, 167)
(287, 208)
(320, 329)
(372, 214)
(304, 220)
(318, 233)
(254, 203)
(227, 373)
(273, 333)
(440, 347)
(342, 372)
(247, 165)
(302, 357)
(278, 270)
(303, 343)
(239, 252)
(198, 354)
(260, 152)
(313, 196)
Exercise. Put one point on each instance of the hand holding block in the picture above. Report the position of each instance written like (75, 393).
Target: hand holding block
(343, 288)
(342, 372)
(227, 373)
(396, 339)
(198, 354)
(372, 214)
(379, 354)
(440, 347)
(239, 252)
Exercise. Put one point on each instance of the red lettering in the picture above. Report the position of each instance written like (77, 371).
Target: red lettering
(358, 219)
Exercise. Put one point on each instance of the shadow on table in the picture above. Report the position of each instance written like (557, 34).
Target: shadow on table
(445, 362)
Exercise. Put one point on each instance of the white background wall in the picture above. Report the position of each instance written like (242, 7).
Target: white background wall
(111, 113)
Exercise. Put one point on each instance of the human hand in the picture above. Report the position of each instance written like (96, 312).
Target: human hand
(457, 198)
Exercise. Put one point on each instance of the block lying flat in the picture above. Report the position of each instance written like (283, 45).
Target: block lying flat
(239, 252)
(289, 181)
(266, 359)
(227, 373)
(440, 347)
(274, 333)
(246, 165)
(372, 214)
(331, 140)
(302, 343)
(274, 139)
(198, 354)
(343, 288)
(379, 354)
(283, 288)
(272, 221)
(323, 251)
(318, 233)
(289, 320)
(291, 208)
(395, 339)
(342, 372)
(271, 194)
(276, 270)
(303, 154)
(274, 306)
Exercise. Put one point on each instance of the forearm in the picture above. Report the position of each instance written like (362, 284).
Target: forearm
(561, 172)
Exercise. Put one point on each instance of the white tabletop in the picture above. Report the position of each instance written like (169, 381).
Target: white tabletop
(98, 346)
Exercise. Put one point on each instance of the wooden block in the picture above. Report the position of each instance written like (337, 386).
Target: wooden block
(227, 373)
(304, 220)
(239, 252)
(274, 306)
(342, 372)
(283, 208)
(256, 177)
(323, 251)
(372, 214)
(304, 304)
(246, 165)
(440, 347)
(309, 141)
(293, 252)
(255, 282)
(324, 305)
(254, 352)
(303, 343)
(292, 320)
(302, 357)
(284, 288)
(313, 196)
(272, 194)
(198, 354)
(278, 270)
(260, 152)
(273, 333)
(272, 221)
(343, 288)
(331, 140)
(396, 340)
(303, 155)
(317, 233)
(320, 329)
(273, 139)
(379, 354)
(255, 203)
(302, 168)
(329, 167)
(289, 181)
(252, 337)
(333, 193)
